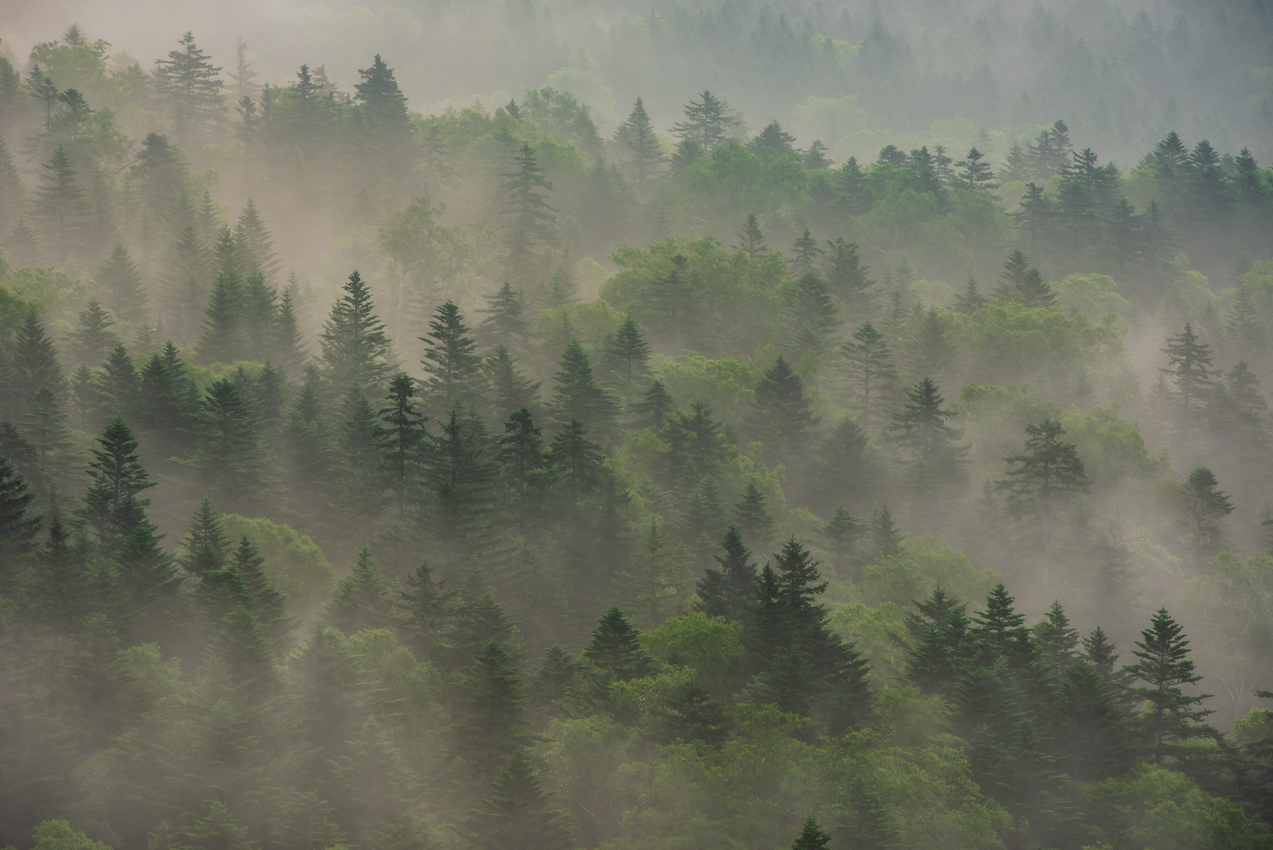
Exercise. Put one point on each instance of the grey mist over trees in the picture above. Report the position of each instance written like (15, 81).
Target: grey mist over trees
(728, 425)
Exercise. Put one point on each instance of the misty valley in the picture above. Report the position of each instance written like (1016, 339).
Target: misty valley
(535, 426)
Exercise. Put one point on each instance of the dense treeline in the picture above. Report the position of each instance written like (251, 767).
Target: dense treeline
(676, 484)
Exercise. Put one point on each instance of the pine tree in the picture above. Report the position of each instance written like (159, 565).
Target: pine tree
(243, 75)
(772, 138)
(556, 674)
(886, 539)
(970, 300)
(1188, 362)
(656, 579)
(615, 653)
(752, 518)
(704, 516)
(426, 608)
(844, 468)
(403, 439)
(871, 369)
(1034, 291)
(12, 195)
(976, 172)
(697, 442)
(843, 530)
(630, 353)
(728, 591)
(355, 345)
(229, 453)
(804, 254)
(359, 437)
(93, 339)
(707, 122)
(578, 396)
(1244, 332)
(751, 240)
(360, 600)
(120, 284)
(1165, 669)
(812, 312)
(517, 813)
(1205, 507)
(223, 338)
(45, 428)
(187, 80)
(384, 106)
(639, 136)
(451, 360)
(811, 837)
(532, 218)
(461, 473)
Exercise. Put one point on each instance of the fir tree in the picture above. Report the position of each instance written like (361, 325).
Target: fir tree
(45, 427)
(119, 281)
(289, 353)
(697, 442)
(655, 581)
(426, 608)
(1057, 639)
(921, 429)
(772, 138)
(504, 323)
(752, 518)
(1034, 291)
(804, 254)
(117, 478)
(451, 360)
(1244, 331)
(782, 415)
(844, 468)
(630, 353)
(461, 473)
(871, 369)
(886, 539)
(970, 300)
(707, 122)
(976, 173)
(402, 440)
(815, 159)
(639, 136)
(360, 436)
(255, 244)
(615, 653)
(18, 526)
(60, 205)
(517, 813)
(185, 287)
(847, 277)
(1205, 507)
(652, 410)
(729, 591)
(532, 218)
(355, 345)
(205, 547)
(12, 195)
(507, 387)
(751, 240)
(223, 339)
(187, 80)
(578, 395)
(360, 600)
(229, 453)
(492, 725)
(1164, 668)
(811, 837)
(812, 312)
(94, 339)
(1188, 369)
(32, 364)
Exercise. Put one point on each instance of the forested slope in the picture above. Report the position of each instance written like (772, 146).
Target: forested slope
(380, 480)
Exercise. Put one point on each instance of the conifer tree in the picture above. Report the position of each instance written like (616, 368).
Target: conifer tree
(1034, 291)
(461, 473)
(492, 726)
(229, 453)
(697, 442)
(517, 812)
(12, 195)
(615, 653)
(360, 436)
(804, 254)
(1044, 477)
(522, 459)
(630, 353)
(354, 343)
(507, 387)
(656, 579)
(729, 591)
(60, 205)
(32, 364)
(119, 386)
(871, 369)
(811, 837)
(289, 353)
(259, 317)
(119, 282)
(187, 80)
(361, 600)
(532, 218)
(1188, 369)
(844, 467)
(223, 338)
(206, 546)
(970, 300)
(402, 440)
(255, 244)
(18, 525)
(752, 518)
(751, 239)
(93, 338)
(45, 427)
(639, 136)
(847, 277)
(384, 106)
(707, 122)
(921, 429)
(976, 173)
(504, 323)
(185, 286)
(578, 395)
(1244, 332)
(1165, 669)
(1205, 507)
(885, 536)
(652, 410)
(813, 313)
(451, 360)
(1057, 640)
(425, 608)
(117, 478)
(782, 415)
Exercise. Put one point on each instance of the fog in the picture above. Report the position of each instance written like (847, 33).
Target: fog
(584, 424)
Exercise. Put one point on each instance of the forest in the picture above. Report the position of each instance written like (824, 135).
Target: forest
(690, 426)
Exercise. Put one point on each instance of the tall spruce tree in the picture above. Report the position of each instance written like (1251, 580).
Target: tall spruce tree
(1164, 668)
(1205, 506)
(638, 135)
(708, 122)
(729, 591)
(354, 343)
(119, 282)
(189, 85)
(450, 359)
(229, 453)
(578, 396)
(1189, 370)
(921, 429)
(871, 370)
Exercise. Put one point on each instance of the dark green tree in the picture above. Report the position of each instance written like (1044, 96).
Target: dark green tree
(615, 653)
(707, 122)
(751, 239)
(402, 441)
(652, 410)
(255, 244)
(811, 837)
(629, 353)
(921, 429)
(32, 363)
(360, 600)
(205, 548)
(223, 339)
(117, 478)
(1165, 669)
(782, 415)
(752, 518)
(532, 220)
(1205, 507)
(18, 525)
(492, 726)
(812, 313)
(229, 453)
(93, 338)
(190, 87)
(504, 323)
(638, 135)
(1189, 370)
(579, 396)
(1057, 640)
(871, 370)
(120, 285)
(731, 590)
(847, 277)
(355, 345)
(451, 360)
(60, 205)
(804, 254)
(507, 387)
(517, 814)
